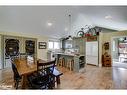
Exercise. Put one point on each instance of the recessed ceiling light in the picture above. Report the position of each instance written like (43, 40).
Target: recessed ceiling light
(108, 17)
(66, 29)
(49, 24)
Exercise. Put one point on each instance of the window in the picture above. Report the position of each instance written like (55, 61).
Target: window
(50, 45)
(54, 45)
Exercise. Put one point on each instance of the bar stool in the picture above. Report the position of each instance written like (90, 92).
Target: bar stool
(61, 62)
(67, 64)
(70, 64)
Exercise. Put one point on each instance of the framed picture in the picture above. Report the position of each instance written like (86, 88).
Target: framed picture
(42, 45)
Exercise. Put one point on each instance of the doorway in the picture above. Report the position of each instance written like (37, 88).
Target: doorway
(119, 52)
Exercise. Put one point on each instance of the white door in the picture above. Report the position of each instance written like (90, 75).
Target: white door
(92, 53)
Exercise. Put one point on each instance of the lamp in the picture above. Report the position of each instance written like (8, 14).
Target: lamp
(69, 30)
(125, 39)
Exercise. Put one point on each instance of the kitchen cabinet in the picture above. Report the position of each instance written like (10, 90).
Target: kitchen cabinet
(79, 44)
(67, 44)
(1, 65)
(79, 64)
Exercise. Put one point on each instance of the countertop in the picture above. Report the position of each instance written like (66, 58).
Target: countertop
(69, 54)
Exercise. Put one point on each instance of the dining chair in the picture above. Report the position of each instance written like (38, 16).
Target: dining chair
(17, 77)
(23, 55)
(44, 78)
(57, 74)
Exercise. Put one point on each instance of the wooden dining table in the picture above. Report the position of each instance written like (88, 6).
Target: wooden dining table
(25, 68)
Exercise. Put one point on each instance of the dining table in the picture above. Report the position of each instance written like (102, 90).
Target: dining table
(25, 68)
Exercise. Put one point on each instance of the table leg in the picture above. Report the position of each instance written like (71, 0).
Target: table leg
(58, 80)
(24, 81)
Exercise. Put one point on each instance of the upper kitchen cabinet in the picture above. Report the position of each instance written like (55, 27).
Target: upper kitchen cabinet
(79, 45)
(67, 44)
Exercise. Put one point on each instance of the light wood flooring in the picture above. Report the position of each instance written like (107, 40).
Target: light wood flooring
(91, 77)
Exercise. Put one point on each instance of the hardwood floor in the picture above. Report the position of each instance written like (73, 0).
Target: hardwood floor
(90, 78)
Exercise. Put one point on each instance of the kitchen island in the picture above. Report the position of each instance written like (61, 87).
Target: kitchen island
(79, 60)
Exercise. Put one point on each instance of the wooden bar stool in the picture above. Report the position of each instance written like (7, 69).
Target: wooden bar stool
(70, 64)
(67, 64)
(61, 62)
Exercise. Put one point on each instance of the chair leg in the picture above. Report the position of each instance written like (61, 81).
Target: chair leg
(17, 84)
(58, 80)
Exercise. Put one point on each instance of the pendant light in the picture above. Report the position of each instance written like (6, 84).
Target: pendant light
(69, 37)
(125, 39)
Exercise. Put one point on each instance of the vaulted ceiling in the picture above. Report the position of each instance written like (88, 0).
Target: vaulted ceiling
(35, 19)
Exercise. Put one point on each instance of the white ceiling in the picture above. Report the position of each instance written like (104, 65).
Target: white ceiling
(33, 19)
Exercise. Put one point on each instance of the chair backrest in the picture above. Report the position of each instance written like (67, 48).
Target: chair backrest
(46, 67)
(15, 71)
(22, 55)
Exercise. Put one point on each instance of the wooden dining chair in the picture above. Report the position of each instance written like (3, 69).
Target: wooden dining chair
(44, 78)
(23, 55)
(57, 75)
(17, 77)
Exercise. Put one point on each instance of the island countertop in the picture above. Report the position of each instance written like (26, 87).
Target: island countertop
(70, 54)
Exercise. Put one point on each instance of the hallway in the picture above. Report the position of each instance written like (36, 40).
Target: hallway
(119, 64)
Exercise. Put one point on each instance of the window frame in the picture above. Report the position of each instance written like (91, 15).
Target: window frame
(53, 44)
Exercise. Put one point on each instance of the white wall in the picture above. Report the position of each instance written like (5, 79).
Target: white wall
(0, 54)
(42, 53)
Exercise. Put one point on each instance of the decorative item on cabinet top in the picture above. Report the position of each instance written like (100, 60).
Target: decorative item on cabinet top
(42, 45)
(106, 45)
(89, 31)
(92, 31)
(91, 38)
(80, 33)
